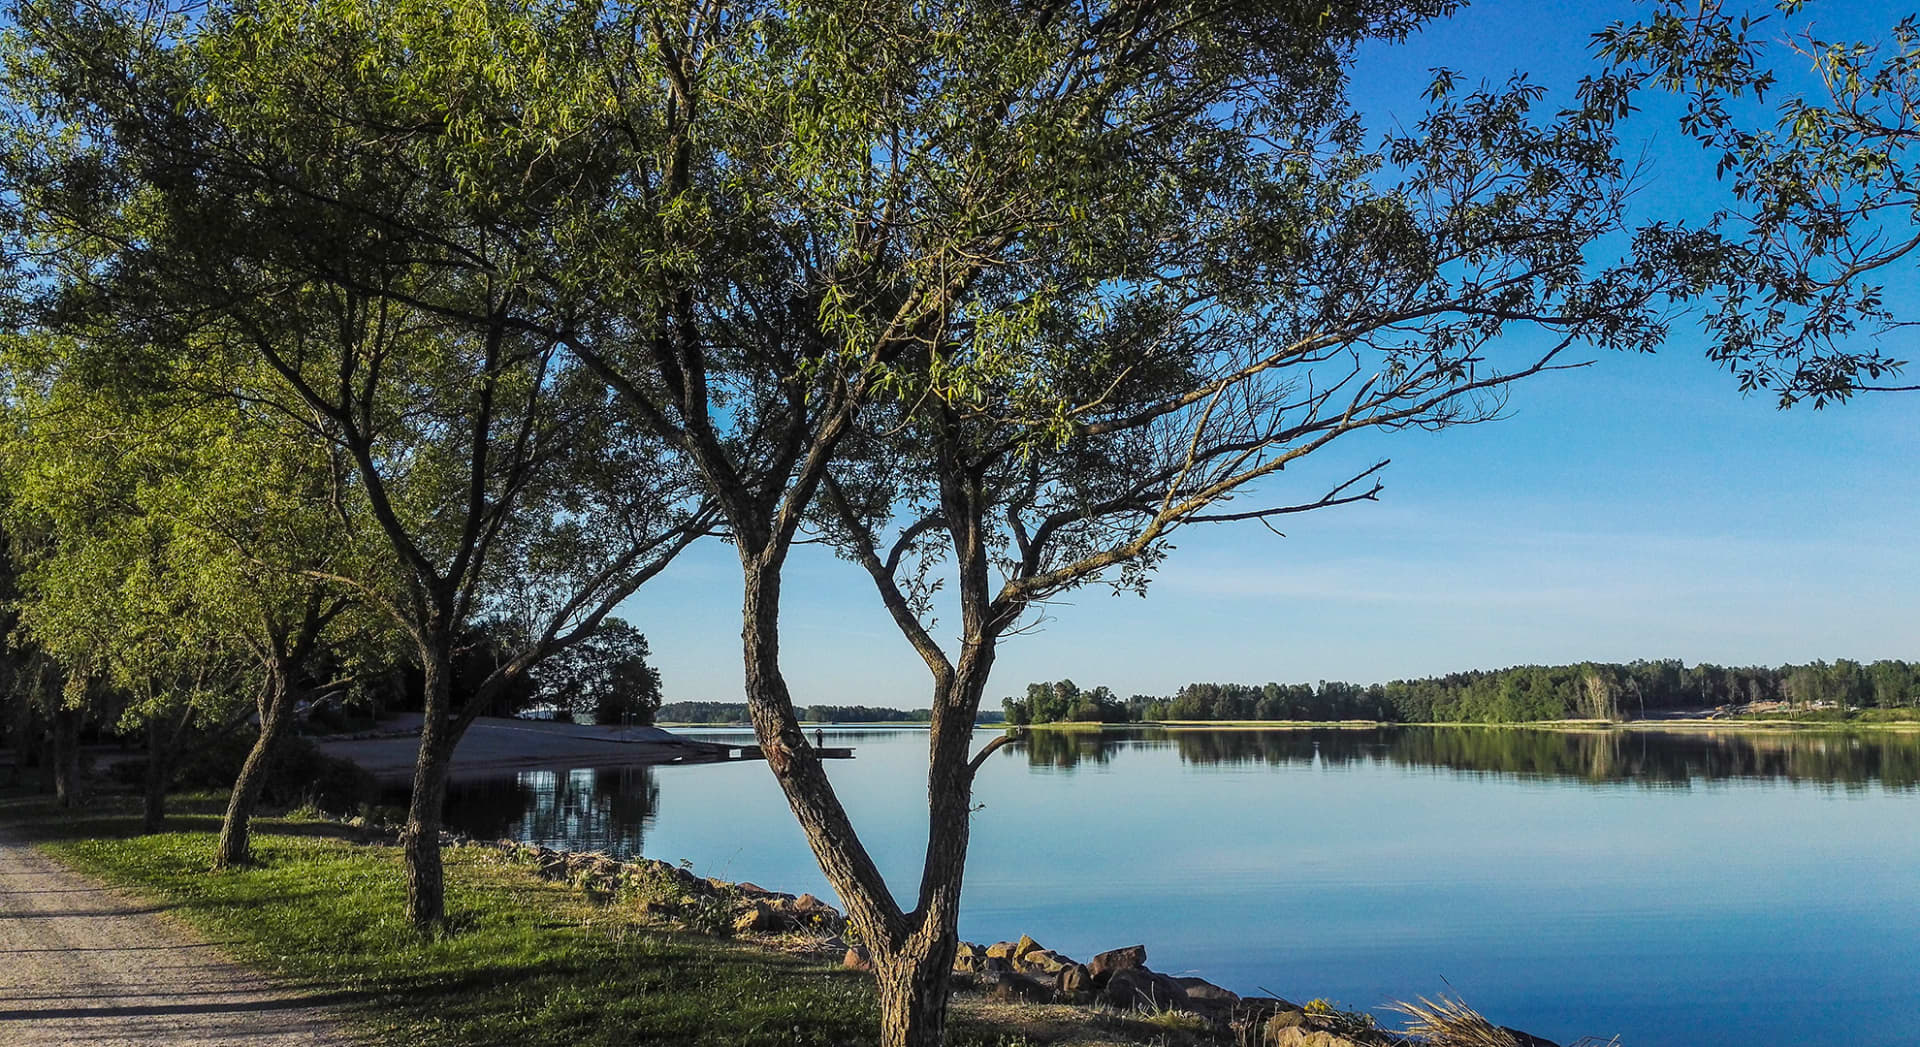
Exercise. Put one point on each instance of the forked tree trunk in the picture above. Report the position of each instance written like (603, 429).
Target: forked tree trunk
(236, 836)
(912, 952)
(915, 979)
(420, 841)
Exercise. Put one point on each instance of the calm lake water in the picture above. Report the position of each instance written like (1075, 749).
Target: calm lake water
(1679, 890)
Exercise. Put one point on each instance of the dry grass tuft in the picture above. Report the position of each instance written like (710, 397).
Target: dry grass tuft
(1449, 1022)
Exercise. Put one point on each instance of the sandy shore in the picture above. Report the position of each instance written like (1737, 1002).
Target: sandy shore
(496, 745)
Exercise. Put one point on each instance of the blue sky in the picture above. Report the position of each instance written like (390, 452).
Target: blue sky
(1637, 508)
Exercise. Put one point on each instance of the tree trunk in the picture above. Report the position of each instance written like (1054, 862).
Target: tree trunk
(66, 757)
(912, 952)
(426, 883)
(236, 830)
(915, 979)
(914, 985)
(23, 732)
(153, 812)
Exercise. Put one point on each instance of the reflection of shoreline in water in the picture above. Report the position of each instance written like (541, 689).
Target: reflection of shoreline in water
(1659, 759)
(587, 809)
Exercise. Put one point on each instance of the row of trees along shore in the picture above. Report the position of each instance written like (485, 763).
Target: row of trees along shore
(344, 334)
(1587, 691)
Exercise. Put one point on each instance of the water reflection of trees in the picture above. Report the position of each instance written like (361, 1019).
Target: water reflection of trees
(1648, 757)
(588, 809)
(1068, 748)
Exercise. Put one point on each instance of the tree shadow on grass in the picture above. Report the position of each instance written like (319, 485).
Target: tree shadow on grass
(35, 817)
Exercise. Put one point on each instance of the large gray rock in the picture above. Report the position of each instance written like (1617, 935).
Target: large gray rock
(805, 911)
(1073, 981)
(1286, 1018)
(1202, 991)
(755, 918)
(969, 958)
(1136, 988)
(1007, 985)
(1104, 964)
(1266, 1005)
(1043, 961)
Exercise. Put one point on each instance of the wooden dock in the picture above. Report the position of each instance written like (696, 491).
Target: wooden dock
(752, 752)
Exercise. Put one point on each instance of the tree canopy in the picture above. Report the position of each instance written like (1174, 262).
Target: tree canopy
(1794, 268)
(996, 300)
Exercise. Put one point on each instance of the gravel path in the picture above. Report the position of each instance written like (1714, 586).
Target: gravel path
(83, 964)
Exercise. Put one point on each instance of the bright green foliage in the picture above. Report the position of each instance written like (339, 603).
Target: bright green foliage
(358, 199)
(168, 541)
(252, 193)
(1065, 702)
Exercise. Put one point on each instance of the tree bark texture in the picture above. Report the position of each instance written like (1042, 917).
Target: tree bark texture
(236, 837)
(914, 986)
(420, 840)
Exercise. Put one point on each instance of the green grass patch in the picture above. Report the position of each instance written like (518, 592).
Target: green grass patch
(1828, 717)
(524, 961)
(1905, 714)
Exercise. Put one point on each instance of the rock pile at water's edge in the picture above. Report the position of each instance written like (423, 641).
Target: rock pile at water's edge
(1018, 970)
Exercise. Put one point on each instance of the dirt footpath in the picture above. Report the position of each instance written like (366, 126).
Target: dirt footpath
(83, 964)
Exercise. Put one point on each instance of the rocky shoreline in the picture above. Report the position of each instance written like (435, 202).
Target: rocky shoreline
(1016, 971)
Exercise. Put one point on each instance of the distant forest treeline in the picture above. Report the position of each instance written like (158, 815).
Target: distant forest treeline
(1588, 691)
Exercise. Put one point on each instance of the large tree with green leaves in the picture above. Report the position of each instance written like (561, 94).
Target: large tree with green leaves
(107, 593)
(1007, 297)
(238, 179)
(1011, 293)
(605, 677)
(185, 553)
